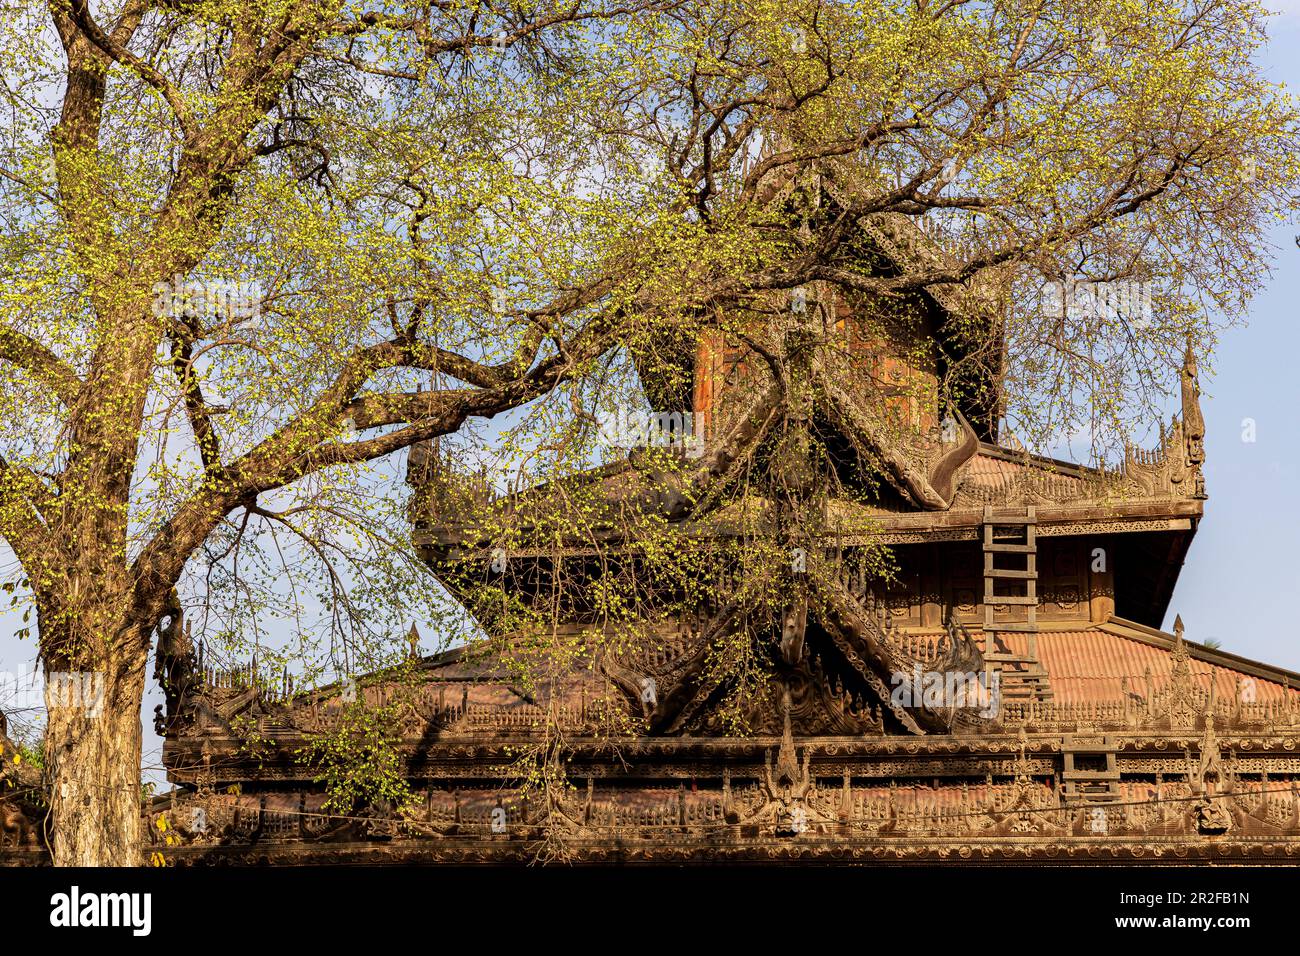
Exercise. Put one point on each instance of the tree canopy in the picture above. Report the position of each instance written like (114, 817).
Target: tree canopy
(254, 250)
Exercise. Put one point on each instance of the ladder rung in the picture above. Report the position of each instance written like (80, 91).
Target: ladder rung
(1028, 516)
(1011, 548)
(1014, 627)
(1025, 599)
(1008, 573)
(1107, 746)
(1013, 678)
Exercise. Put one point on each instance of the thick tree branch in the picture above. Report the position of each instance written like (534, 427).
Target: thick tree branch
(115, 49)
(44, 366)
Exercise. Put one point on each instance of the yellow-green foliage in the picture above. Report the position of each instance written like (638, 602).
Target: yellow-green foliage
(250, 251)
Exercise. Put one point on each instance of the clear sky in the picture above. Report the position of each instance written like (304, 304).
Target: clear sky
(1242, 576)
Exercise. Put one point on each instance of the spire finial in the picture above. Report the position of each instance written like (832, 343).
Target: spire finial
(787, 760)
(1193, 420)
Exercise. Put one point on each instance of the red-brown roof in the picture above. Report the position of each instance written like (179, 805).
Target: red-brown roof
(1090, 665)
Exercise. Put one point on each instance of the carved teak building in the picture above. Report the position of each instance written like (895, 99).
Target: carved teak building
(1092, 735)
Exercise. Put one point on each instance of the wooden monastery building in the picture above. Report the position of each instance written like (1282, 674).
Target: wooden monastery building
(1091, 736)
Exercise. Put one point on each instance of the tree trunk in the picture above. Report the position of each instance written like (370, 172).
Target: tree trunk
(93, 745)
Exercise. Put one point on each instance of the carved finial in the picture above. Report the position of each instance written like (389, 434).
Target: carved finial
(413, 638)
(204, 779)
(1178, 629)
(787, 761)
(1193, 420)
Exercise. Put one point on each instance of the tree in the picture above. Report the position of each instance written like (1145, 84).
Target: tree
(306, 236)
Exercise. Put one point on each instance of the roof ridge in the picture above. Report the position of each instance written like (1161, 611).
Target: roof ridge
(1142, 633)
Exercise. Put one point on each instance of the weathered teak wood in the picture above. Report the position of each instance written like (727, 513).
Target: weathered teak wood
(828, 765)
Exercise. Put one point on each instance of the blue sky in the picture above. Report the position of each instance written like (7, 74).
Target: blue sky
(1242, 574)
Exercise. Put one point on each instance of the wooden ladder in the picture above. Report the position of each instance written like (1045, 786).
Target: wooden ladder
(1023, 676)
(1090, 774)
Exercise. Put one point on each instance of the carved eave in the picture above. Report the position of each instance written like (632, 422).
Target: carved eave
(1118, 516)
(944, 487)
(464, 709)
(1203, 754)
